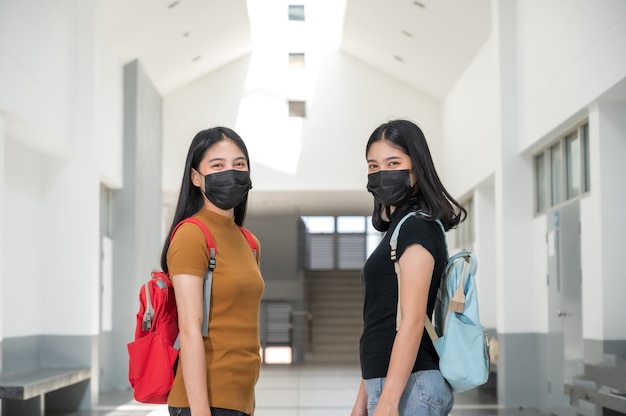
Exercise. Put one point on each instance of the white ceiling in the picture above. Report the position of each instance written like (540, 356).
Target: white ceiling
(426, 44)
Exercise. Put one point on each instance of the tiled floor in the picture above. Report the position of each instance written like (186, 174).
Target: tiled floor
(305, 391)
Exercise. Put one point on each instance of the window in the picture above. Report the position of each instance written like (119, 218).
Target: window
(106, 211)
(555, 174)
(296, 13)
(297, 109)
(339, 243)
(562, 170)
(541, 181)
(296, 60)
(573, 171)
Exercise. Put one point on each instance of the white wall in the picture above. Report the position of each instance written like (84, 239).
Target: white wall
(349, 101)
(60, 95)
(108, 117)
(2, 221)
(23, 242)
(37, 67)
(563, 68)
(470, 117)
(484, 248)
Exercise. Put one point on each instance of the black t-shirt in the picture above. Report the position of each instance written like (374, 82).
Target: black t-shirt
(381, 296)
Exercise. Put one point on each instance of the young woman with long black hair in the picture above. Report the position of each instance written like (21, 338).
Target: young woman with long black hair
(399, 365)
(216, 375)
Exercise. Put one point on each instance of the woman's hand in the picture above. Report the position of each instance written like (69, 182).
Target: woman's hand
(386, 407)
(360, 405)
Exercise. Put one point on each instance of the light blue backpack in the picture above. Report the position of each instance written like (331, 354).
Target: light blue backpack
(458, 336)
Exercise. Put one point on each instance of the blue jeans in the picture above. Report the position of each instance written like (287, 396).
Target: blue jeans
(215, 411)
(426, 394)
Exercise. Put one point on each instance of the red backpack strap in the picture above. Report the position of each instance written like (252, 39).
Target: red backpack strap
(207, 234)
(251, 240)
(208, 279)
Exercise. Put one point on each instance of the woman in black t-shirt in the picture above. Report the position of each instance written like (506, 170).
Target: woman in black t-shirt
(399, 366)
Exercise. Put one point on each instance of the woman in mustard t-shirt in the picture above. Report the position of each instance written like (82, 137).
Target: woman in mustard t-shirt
(216, 375)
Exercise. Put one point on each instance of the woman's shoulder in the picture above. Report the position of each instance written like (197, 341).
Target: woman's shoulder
(189, 232)
(418, 227)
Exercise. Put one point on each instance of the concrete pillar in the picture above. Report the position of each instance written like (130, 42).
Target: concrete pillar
(517, 381)
(137, 210)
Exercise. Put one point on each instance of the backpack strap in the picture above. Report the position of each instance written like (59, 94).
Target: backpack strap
(208, 279)
(251, 240)
(393, 242)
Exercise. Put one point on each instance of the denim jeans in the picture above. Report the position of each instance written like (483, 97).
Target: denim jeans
(426, 394)
(215, 411)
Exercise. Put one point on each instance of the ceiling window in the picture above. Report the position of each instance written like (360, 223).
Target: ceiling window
(296, 60)
(296, 13)
(297, 109)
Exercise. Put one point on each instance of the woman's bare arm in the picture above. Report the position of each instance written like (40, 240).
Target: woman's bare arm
(189, 302)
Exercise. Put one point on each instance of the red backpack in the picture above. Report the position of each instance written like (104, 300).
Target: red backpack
(153, 354)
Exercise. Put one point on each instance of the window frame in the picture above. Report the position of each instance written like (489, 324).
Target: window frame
(370, 239)
(553, 189)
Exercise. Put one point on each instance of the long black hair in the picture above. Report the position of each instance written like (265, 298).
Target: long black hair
(190, 199)
(429, 194)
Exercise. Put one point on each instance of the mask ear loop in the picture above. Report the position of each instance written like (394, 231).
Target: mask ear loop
(202, 188)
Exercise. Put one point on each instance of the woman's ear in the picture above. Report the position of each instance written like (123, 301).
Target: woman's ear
(196, 178)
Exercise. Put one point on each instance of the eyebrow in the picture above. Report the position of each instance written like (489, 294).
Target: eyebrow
(386, 159)
(216, 159)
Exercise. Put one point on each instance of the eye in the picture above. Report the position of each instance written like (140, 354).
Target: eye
(217, 165)
(372, 166)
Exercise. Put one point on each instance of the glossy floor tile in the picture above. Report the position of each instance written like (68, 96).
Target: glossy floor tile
(305, 391)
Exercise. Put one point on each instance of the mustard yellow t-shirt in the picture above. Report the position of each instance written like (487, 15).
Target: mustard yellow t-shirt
(232, 346)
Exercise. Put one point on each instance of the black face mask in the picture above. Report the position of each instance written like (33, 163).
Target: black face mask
(390, 187)
(228, 188)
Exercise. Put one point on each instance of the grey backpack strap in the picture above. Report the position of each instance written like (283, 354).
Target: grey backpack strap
(208, 282)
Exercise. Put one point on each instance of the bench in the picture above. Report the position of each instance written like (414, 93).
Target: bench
(602, 384)
(24, 392)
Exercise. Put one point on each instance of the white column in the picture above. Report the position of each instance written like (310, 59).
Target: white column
(604, 224)
(484, 213)
(2, 239)
(513, 219)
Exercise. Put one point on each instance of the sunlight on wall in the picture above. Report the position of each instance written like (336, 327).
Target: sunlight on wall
(273, 137)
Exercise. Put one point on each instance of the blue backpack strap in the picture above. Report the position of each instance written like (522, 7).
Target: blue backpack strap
(393, 241)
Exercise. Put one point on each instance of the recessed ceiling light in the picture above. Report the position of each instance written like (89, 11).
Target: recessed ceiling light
(419, 4)
(398, 58)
